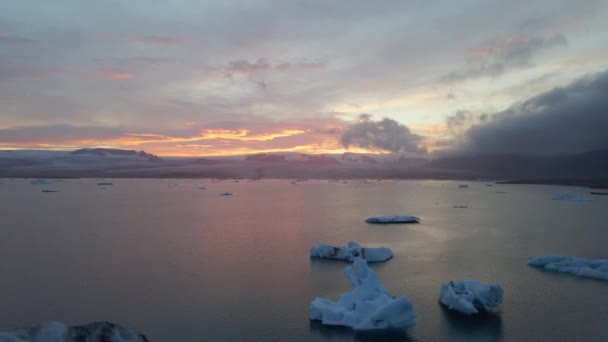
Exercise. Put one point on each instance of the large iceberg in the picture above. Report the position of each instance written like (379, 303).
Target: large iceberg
(351, 251)
(59, 332)
(393, 219)
(570, 197)
(470, 296)
(368, 307)
(588, 268)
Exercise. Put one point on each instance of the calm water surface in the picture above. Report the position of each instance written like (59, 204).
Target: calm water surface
(183, 264)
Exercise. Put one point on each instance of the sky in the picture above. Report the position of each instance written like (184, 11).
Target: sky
(205, 78)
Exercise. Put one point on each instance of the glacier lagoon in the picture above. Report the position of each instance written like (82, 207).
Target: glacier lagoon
(178, 263)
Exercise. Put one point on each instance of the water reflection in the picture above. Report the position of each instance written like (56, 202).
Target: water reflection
(340, 332)
(458, 327)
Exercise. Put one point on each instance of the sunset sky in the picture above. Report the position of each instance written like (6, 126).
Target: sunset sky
(193, 78)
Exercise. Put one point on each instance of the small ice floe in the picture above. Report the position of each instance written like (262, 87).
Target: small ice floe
(226, 194)
(47, 190)
(202, 188)
(470, 297)
(393, 219)
(570, 197)
(598, 193)
(105, 184)
(587, 268)
(56, 332)
(462, 186)
(368, 307)
(351, 251)
(460, 206)
(40, 182)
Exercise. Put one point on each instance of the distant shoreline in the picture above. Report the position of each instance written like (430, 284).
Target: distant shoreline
(592, 184)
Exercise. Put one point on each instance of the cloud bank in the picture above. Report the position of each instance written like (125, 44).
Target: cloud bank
(565, 120)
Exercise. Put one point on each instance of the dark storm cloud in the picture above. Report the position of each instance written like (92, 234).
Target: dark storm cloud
(386, 134)
(499, 56)
(571, 119)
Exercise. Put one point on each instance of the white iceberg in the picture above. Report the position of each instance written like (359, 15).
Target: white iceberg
(59, 332)
(40, 182)
(351, 251)
(393, 219)
(368, 307)
(470, 296)
(588, 268)
(570, 197)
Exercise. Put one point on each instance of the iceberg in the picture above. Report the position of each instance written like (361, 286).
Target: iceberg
(40, 182)
(369, 307)
(59, 332)
(470, 296)
(587, 268)
(351, 251)
(569, 197)
(393, 219)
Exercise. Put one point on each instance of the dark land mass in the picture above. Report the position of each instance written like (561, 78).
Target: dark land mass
(588, 169)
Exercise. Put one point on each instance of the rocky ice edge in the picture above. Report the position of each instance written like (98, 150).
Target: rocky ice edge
(470, 296)
(368, 307)
(393, 219)
(351, 251)
(574, 198)
(588, 268)
(59, 332)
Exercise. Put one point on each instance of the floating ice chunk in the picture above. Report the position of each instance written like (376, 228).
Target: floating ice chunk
(588, 268)
(351, 251)
(104, 184)
(393, 219)
(462, 186)
(368, 307)
(40, 182)
(226, 194)
(59, 332)
(46, 190)
(570, 197)
(470, 296)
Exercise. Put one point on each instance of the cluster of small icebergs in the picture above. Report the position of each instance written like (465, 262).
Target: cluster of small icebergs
(59, 332)
(370, 307)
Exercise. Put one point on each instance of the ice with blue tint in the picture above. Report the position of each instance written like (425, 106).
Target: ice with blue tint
(368, 307)
(470, 296)
(351, 251)
(393, 219)
(588, 268)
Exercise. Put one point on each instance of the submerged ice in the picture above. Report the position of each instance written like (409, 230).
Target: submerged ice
(588, 268)
(351, 251)
(368, 307)
(59, 332)
(470, 296)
